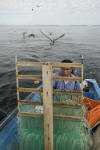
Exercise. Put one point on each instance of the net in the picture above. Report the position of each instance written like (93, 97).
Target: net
(67, 134)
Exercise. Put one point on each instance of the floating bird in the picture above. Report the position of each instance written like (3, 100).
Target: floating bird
(31, 35)
(52, 40)
(24, 33)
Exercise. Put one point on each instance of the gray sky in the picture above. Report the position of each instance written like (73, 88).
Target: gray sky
(50, 12)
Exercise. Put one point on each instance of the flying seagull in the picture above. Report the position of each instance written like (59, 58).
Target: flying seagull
(52, 40)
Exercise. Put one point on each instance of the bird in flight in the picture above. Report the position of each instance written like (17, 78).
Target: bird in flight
(52, 40)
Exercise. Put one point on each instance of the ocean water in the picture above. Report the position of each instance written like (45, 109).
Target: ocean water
(78, 40)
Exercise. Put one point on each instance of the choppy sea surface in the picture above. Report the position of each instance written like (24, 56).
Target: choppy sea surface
(78, 40)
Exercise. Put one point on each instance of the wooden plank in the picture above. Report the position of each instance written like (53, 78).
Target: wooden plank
(82, 76)
(29, 90)
(67, 78)
(82, 80)
(38, 77)
(67, 92)
(61, 117)
(67, 118)
(54, 64)
(17, 83)
(82, 113)
(30, 114)
(26, 102)
(57, 64)
(48, 106)
(29, 63)
(60, 104)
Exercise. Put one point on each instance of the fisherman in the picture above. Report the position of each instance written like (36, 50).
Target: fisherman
(65, 85)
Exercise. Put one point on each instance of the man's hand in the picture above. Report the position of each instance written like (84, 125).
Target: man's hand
(36, 82)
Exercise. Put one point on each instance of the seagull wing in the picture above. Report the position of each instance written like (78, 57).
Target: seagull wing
(59, 37)
(46, 36)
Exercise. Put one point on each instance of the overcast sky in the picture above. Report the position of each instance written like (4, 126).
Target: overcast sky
(50, 12)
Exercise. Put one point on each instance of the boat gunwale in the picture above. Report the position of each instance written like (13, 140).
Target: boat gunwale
(8, 118)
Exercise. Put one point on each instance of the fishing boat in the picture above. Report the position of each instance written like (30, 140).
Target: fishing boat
(9, 125)
(9, 131)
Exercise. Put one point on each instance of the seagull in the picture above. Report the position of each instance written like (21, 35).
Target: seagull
(31, 35)
(52, 40)
(24, 33)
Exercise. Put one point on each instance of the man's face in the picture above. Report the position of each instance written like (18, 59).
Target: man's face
(66, 71)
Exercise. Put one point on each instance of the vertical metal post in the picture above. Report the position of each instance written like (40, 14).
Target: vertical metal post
(48, 106)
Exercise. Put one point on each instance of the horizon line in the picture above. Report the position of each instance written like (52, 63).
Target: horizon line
(48, 25)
